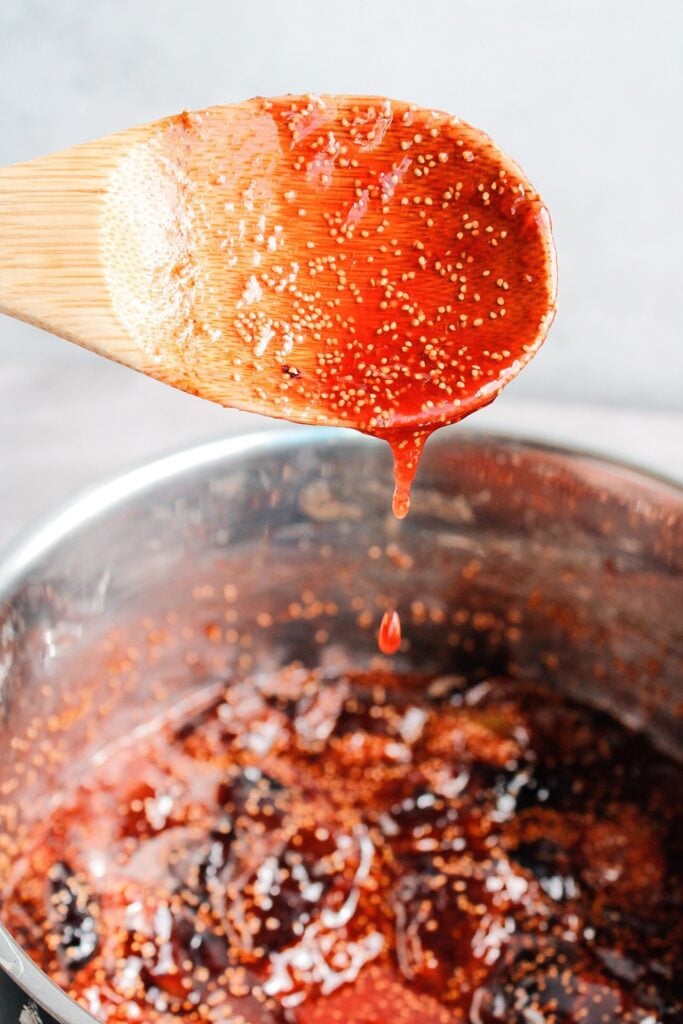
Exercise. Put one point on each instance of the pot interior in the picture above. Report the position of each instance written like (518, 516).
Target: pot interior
(237, 559)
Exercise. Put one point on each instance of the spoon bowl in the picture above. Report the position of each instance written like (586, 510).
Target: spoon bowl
(334, 260)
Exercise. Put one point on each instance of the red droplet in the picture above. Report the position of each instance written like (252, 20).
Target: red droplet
(389, 636)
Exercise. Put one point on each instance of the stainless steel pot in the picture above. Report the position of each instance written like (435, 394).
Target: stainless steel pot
(514, 558)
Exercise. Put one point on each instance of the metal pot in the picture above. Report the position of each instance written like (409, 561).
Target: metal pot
(514, 558)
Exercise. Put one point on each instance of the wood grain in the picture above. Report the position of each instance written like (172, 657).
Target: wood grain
(51, 271)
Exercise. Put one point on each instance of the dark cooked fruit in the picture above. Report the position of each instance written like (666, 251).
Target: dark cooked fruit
(363, 850)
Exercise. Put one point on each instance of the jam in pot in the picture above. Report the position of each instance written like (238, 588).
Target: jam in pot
(310, 848)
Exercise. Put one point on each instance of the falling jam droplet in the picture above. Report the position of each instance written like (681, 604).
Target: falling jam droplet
(407, 449)
(389, 636)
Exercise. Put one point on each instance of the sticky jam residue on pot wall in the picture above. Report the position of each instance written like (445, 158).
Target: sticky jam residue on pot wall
(318, 847)
(554, 829)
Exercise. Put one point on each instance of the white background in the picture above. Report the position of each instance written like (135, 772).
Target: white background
(587, 95)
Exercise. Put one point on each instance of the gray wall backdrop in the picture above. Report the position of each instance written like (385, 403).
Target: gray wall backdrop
(587, 95)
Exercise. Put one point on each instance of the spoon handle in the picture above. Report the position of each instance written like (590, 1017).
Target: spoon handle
(51, 270)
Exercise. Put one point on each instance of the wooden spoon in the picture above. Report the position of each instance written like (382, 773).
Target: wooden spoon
(337, 260)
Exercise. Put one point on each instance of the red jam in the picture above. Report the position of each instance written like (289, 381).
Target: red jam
(389, 635)
(353, 261)
(312, 849)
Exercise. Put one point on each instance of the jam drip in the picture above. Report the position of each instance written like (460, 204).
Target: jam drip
(406, 449)
(389, 636)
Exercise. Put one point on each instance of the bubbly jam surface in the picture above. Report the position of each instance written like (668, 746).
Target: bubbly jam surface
(309, 849)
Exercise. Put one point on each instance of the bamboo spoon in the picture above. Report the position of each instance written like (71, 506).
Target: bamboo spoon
(340, 260)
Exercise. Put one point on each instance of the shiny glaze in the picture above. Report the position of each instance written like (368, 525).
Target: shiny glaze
(341, 260)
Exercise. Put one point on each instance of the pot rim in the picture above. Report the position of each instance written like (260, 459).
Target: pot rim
(26, 551)
(38, 539)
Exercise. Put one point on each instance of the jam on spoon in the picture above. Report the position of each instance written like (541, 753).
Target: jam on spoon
(341, 260)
